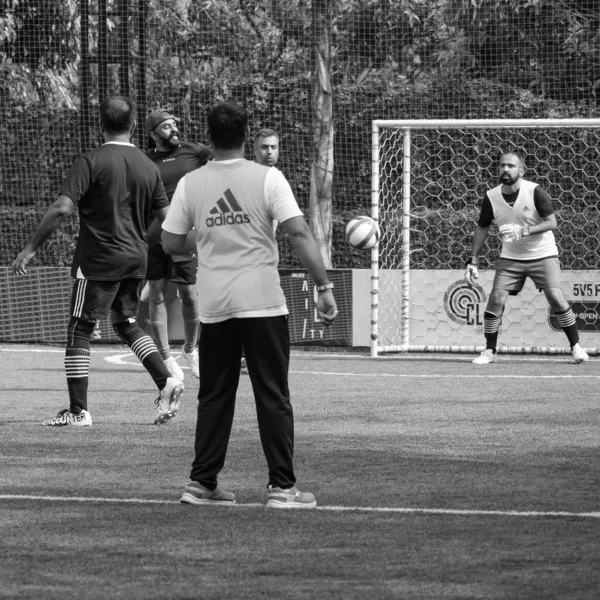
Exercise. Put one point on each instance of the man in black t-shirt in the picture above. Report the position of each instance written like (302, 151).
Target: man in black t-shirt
(115, 188)
(174, 158)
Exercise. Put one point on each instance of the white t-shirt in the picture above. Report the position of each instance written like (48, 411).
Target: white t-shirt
(232, 205)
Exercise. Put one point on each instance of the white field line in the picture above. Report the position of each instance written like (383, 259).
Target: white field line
(432, 357)
(447, 376)
(367, 509)
(129, 359)
(122, 359)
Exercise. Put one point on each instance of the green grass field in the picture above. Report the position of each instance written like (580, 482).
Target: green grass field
(435, 478)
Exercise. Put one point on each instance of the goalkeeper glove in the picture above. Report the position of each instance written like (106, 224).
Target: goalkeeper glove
(471, 274)
(512, 232)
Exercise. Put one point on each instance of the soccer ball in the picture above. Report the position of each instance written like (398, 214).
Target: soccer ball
(362, 233)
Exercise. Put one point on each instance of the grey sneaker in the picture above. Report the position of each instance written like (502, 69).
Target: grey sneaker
(167, 403)
(195, 493)
(193, 361)
(65, 417)
(175, 370)
(579, 354)
(485, 358)
(290, 498)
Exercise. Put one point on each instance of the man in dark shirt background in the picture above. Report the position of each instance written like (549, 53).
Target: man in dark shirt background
(174, 158)
(115, 188)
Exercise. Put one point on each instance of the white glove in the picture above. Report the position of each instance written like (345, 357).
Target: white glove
(471, 274)
(511, 232)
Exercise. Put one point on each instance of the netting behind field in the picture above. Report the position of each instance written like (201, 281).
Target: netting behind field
(284, 61)
(432, 181)
(450, 172)
(317, 71)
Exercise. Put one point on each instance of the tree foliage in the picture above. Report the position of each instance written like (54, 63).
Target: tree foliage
(387, 59)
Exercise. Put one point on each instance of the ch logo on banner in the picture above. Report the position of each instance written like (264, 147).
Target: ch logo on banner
(465, 304)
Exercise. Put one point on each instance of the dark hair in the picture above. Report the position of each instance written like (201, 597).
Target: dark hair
(227, 125)
(263, 133)
(520, 155)
(117, 114)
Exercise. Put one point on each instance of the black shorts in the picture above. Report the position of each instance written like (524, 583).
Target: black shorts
(162, 266)
(93, 300)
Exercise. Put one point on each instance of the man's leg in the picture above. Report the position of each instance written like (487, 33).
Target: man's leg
(123, 315)
(188, 294)
(492, 320)
(143, 347)
(567, 320)
(90, 301)
(267, 344)
(220, 352)
(157, 312)
(546, 276)
(183, 273)
(77, 362)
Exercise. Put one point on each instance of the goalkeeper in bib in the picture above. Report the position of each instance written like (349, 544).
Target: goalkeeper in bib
(523, 212)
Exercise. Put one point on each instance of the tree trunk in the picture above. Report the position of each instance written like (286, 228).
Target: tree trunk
(321, 173)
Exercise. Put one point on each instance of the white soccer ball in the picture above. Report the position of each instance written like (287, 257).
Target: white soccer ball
(362, 233)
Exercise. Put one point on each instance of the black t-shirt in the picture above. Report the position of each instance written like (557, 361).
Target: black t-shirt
(542, 202)
(116, 188)
(174, 164)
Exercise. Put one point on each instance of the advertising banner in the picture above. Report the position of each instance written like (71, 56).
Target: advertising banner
(445, 310)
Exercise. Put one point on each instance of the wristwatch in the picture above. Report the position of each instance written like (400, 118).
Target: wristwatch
(325, 286)
(526, 231)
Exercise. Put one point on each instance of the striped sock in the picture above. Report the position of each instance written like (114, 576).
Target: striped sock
(77, 363)
(568, 322)
(144, 348)
(491, 326)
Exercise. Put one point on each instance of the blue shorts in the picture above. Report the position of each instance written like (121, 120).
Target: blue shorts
(511, 274)
(93, 300)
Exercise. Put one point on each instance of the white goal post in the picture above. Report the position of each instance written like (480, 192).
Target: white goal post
(428, 180)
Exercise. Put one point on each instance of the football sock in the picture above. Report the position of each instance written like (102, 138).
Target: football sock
(160, 330)
(567, 321)
(144, 348)
(491, 326)
(191, 326)
(77, 362)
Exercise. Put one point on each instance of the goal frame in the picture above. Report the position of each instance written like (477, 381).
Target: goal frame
(408, 126)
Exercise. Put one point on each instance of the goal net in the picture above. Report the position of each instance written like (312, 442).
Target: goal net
(428, 181)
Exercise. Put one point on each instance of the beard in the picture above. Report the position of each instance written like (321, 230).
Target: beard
(507, 179)
(172, 141)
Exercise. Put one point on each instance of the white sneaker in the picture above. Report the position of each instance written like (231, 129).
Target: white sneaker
(167, 403)
(485, 358)
(193, 361)
(579, 354)
(65, 417)
(175, 370)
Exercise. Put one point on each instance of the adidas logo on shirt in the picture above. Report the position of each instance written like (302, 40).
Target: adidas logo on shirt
(227, 212)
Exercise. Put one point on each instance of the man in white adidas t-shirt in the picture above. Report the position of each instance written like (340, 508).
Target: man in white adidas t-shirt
(524, 215)
(232, 203)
